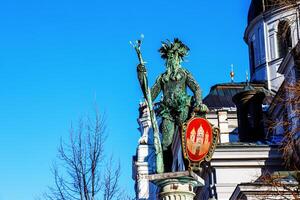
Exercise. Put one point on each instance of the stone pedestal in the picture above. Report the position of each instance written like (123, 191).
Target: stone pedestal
(176, 185)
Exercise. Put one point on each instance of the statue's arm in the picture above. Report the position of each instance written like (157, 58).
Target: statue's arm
(194, 86)
(156, 88)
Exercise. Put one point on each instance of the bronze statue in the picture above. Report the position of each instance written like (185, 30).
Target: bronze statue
(176, 105)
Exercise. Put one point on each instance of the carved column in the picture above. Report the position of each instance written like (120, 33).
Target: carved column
(176, 189)
(177, 185)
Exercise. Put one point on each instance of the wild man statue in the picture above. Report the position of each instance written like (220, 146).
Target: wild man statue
(176, 105)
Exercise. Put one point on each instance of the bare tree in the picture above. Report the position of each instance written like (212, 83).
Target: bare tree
(111, 179)
(278, 3)
(291, 142)
(288, 99)
(82, 172)
(278, 185)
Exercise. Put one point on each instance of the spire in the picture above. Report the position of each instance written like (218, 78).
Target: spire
(248, 87)
(232, 74)
(247, 78)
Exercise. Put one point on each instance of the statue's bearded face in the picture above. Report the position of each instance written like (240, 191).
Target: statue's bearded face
(173, 61)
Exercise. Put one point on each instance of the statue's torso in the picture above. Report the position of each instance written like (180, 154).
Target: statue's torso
(174, 88)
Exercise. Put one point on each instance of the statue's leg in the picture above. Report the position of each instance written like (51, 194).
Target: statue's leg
(183, 116)
(168, 128)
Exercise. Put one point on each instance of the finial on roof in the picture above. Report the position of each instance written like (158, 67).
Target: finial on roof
(247, 78)
(232, 74)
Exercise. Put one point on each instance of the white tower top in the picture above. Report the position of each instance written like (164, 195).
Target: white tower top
(272, 31)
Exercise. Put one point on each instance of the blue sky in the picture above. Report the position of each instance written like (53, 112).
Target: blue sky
(59, 57)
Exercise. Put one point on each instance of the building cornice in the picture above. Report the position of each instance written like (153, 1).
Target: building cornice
(261, 191)
(246, 155)
(251, 26)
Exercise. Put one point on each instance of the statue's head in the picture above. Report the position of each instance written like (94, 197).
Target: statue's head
(173, 52)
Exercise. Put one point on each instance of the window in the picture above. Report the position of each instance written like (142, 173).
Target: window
(252, 59)
(284, 38)
(260, 33)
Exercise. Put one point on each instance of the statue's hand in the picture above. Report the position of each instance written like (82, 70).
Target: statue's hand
(202, 108)
(141, 68)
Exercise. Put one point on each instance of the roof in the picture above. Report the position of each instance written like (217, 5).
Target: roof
(220, 95)
(256, 8)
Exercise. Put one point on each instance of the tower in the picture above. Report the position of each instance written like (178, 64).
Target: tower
(272, 31)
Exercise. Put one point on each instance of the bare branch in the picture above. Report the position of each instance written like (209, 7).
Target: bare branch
(82, 161)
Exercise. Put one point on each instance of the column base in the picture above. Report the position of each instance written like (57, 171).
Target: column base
(176, 185)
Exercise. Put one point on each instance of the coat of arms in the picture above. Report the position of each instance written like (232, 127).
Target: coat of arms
(199, 140)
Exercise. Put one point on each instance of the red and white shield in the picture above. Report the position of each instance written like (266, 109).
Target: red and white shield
(197, 139)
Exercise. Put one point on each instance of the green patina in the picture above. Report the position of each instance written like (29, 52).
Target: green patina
(176, 105)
